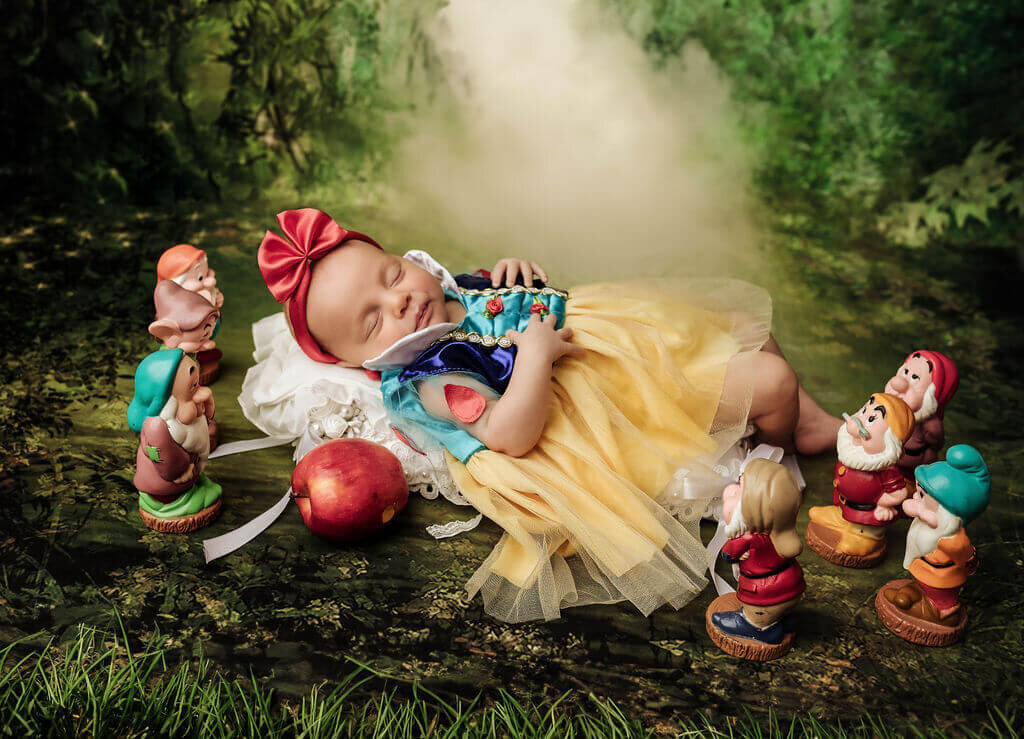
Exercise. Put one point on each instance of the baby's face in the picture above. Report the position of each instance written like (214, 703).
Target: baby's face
(362, 300)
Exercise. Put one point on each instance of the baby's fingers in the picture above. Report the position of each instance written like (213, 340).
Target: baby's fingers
(539, 272)
(564, 333)
(573, 350)
(498, 273)
(515, 267)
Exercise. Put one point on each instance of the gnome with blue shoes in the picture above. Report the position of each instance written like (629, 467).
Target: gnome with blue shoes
(760, 513)
(927, 609)
(171, 412)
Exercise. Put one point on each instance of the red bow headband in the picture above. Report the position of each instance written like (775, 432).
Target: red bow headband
(287, 266)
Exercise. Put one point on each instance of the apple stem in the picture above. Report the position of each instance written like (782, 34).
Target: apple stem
(300, 495)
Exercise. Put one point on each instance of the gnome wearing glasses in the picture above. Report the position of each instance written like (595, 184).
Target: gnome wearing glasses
(868, 486)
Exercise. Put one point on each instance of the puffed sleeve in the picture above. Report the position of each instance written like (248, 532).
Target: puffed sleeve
(734, 548)
(892, 479)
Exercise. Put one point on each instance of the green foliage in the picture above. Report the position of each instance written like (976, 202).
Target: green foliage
(299, 69)
(986, 181)
(849, 104)
(162, 101)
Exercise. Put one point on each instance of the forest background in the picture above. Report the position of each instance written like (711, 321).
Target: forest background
(887, 163)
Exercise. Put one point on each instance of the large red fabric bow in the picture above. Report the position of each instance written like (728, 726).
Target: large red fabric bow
(287, 266)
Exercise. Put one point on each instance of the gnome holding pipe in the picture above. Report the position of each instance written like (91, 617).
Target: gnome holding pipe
(868, 487)
(926, 610)
(170, 410)
(926, 382)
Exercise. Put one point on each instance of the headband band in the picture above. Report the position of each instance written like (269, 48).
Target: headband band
(287, 266)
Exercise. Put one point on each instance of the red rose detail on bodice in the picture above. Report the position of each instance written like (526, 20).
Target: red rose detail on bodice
(493, 307)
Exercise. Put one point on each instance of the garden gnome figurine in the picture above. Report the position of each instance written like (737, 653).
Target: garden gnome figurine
(187, 266)
(760, 513)
(170, 409)
(927, 610)
(926, 382)
(186, 320)
(868, 486)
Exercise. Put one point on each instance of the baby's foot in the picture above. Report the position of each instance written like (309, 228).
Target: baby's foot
(815, 429)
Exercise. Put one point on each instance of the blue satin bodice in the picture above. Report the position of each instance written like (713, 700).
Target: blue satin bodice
(478, 348)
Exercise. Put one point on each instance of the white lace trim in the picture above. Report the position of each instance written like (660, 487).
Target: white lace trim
(454, 528)
(286, 394)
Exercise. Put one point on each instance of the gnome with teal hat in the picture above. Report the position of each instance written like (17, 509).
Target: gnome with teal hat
(171, 412)
(939, 555)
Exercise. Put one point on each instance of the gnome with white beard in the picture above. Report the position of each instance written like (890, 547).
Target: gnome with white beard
(926, 382)
(868, 486)
(171, 410)
(927, 610)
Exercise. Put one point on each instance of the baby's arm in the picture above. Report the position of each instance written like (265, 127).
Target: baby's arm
(511, 423)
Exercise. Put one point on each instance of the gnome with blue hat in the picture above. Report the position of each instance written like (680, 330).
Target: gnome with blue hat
(939, 555)
(171, 412)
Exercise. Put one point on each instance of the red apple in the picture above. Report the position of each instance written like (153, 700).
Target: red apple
(348, 489)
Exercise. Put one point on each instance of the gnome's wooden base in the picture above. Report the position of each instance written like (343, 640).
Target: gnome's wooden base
(738, 646)
(183, 524)
(209, 365)
(825, 542)
(913, 629)
(209, 372)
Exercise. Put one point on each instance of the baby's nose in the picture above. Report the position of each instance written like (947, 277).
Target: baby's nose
(401, 302)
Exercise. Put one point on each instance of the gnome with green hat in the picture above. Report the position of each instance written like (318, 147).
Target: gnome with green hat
(171, 411)
(939, 555)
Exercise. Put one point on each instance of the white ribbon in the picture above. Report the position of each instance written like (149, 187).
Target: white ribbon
(730, 474)
(229, 542)
(248, 445)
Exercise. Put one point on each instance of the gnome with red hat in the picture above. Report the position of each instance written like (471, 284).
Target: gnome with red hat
(926, 382)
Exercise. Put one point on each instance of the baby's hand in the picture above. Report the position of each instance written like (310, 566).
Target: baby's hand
(541, 339)
(510, 268)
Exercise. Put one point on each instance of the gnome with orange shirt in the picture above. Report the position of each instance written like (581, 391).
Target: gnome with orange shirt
(187, 266)
(940, 557)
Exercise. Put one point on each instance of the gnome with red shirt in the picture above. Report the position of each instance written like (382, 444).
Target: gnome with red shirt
(926, 382)
(868, 486)
(760, 513)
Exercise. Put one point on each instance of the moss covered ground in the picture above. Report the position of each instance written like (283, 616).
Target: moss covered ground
(293, 611)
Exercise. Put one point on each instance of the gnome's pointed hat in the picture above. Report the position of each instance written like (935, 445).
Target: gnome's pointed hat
(960, 484)
(945, 376)
(897, 414)
(154, 378)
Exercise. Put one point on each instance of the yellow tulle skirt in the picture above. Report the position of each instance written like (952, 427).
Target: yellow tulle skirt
(583, 512)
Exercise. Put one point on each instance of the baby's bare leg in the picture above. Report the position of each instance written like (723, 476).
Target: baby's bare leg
(784, 414)
(815, 427)
(774, 408)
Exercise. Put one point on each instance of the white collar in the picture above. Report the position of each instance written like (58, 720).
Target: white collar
(405, 350)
